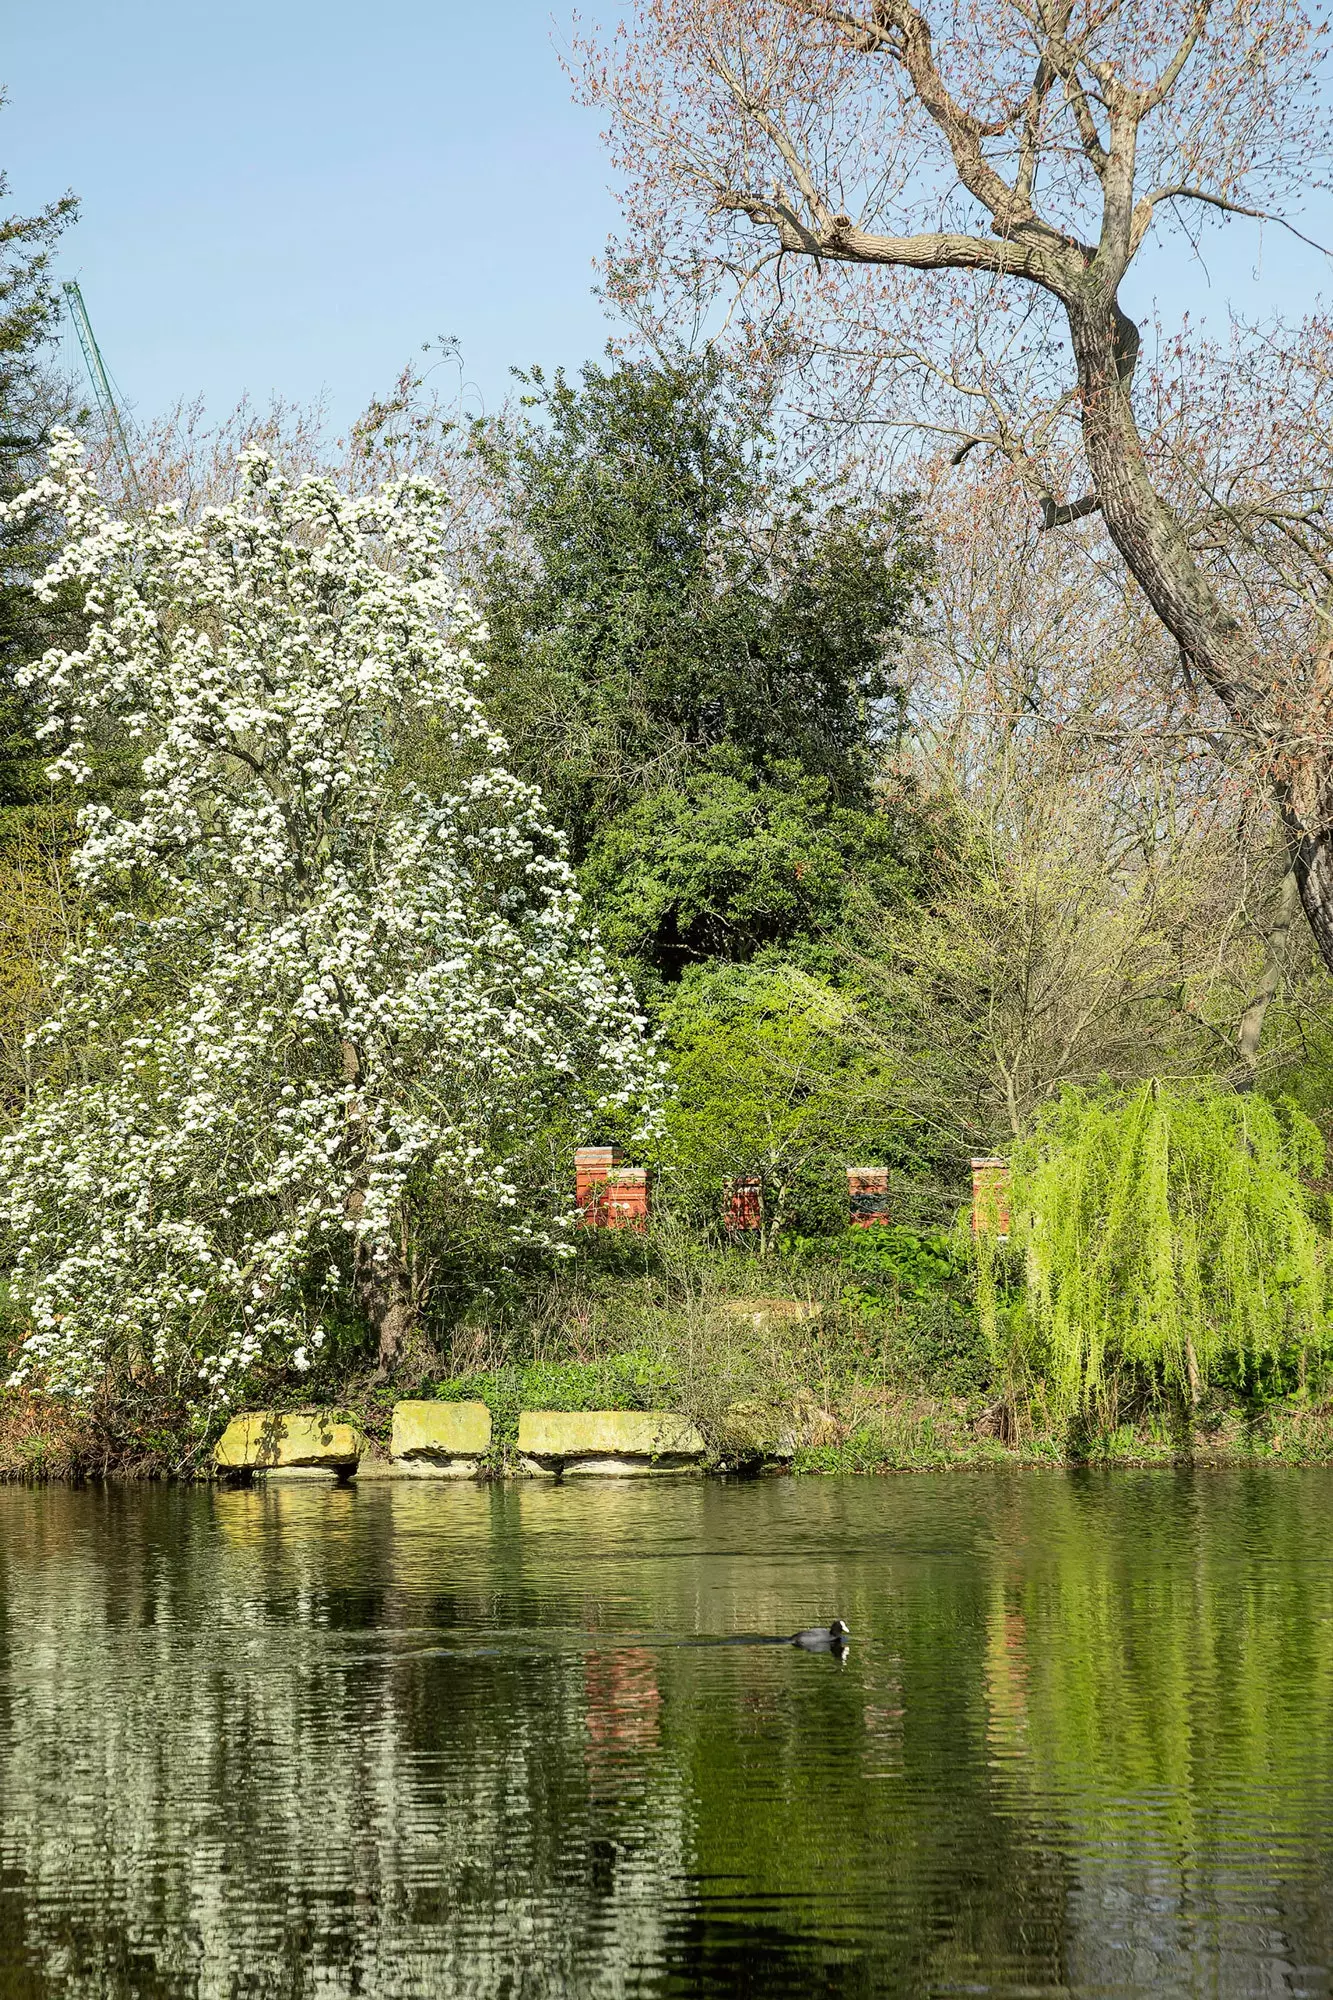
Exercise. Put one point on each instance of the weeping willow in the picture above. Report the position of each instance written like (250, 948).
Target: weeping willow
(1166, 1230)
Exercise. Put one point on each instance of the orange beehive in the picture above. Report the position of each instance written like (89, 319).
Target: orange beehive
(592, 1164)
(867, 1195)
(626, 1199)
(607, 1195)
(743, 1206)
(990, 1196)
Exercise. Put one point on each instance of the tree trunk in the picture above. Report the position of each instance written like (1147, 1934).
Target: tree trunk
(1312, 864)
(385, 1297)
(1211, 638)
(383, 1288)
(1252, 1020)
(383, 1291)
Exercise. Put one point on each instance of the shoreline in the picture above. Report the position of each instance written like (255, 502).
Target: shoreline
(48, 1440)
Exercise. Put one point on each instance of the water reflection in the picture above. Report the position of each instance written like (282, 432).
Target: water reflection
(414, 1740)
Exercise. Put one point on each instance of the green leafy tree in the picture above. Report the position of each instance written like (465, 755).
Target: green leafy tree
(731, 864)
(36, 821)
(676, 634)
(773, 1082)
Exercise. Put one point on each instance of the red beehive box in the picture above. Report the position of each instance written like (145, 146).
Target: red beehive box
(607, 1195)
(626, 1199)
(743, 1206)
(867, 1195)
(990, 1196)
(592, 1164)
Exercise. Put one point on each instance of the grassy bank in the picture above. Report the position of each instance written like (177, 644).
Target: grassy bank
(870, 1429)
(860, 1353)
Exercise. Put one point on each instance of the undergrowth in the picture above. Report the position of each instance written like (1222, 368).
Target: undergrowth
(864, 1351)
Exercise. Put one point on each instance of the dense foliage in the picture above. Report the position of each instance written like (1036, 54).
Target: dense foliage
(331, 1015)
(732, 865)
(36, 820)
(31, 401)
(320, 1016)
(770, 1083)
(694, 657)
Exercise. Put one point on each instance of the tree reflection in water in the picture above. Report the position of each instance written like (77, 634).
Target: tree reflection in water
(408, 1740)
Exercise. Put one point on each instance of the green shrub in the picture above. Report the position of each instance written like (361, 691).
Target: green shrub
(621, 1381)
(939, 1342)
(889, 1260)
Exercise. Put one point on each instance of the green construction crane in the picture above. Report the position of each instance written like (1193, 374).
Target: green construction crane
(102, 390)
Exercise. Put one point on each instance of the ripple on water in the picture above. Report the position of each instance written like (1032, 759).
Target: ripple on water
(436, 1740)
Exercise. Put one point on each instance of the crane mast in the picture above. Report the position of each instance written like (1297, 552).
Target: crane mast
(102, 390)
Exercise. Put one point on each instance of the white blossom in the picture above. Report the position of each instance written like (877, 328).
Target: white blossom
(317, 1003)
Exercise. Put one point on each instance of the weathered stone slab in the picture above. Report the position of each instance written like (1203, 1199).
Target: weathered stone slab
(766, 1313)
(289, 1441)
(374, 1464)
(753, 1431)
(616, 1443)
(439, 1440)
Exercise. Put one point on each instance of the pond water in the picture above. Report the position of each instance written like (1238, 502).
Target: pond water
(412, 1739)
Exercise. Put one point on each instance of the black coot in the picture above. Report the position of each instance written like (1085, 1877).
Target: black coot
(823, 1638)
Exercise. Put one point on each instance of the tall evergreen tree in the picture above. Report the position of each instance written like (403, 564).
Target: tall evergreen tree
(32, 399)
(692, 655)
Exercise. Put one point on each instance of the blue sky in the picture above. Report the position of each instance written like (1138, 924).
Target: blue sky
(292, 197)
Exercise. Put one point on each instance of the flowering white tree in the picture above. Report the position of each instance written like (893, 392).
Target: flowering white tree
(319, 1010)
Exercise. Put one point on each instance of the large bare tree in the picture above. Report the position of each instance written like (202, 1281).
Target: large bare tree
(941, 203)
(1103, 907)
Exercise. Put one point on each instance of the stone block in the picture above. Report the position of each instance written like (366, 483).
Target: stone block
(278, 1441)
(440, 1440)
(373, 1465)
(756, 1432)
(617, 1443)
(764, 1314)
